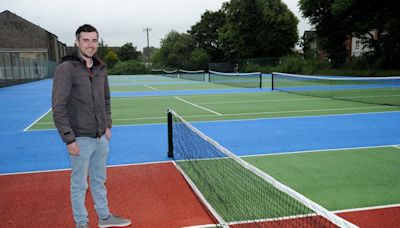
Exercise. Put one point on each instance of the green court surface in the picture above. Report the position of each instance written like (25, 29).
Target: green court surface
(131, 109)
(161, 87)
(144, 110)
(339, 179)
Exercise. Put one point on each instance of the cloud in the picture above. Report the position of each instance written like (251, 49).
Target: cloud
(118, 21)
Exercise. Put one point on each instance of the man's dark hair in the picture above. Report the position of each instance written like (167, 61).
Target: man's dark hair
(85, 28)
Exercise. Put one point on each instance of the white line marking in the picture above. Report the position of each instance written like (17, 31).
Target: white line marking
(150, 87)
(252, 119)
(367, 208)
(198, 106)
(397, 146)
(202, 226)
(144, 85)
(68, 169)
(37, 120)
(315, 151)
(263, 101)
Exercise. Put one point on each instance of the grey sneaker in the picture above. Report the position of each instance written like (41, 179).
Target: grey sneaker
(114, 221)
(82, 226)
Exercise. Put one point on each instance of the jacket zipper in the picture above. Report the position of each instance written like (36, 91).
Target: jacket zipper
(91, 76)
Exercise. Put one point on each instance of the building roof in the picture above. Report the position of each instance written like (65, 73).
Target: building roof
(8, 13)
(309, 35)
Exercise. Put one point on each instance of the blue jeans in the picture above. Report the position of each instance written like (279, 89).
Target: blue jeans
(91, 162)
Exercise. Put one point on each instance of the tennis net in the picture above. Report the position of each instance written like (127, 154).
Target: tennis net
(170, 73)
(246, 80)
(236, 193)
(156, 71)
(371, 90)
(195, 75)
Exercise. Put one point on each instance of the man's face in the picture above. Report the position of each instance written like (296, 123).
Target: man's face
(87, 44)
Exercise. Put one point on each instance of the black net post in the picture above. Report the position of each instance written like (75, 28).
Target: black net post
(272, 81)
(260, 80)
(170, 142)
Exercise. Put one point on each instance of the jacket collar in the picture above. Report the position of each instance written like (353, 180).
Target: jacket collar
(77, 57)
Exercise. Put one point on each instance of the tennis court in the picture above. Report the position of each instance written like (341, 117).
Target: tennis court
(343, 155)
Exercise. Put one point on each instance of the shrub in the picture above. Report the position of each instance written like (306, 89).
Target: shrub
(129, 68)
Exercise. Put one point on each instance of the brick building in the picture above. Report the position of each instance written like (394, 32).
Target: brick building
(27, 51)
(18, 35)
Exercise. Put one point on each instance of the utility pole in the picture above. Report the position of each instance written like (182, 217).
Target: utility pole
(147, 30)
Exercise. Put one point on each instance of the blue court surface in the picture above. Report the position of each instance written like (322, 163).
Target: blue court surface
(25, 151)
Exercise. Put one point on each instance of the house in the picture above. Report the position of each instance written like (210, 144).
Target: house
(357, 45)
(312, 46)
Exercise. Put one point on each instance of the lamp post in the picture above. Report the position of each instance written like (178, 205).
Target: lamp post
(147, 30)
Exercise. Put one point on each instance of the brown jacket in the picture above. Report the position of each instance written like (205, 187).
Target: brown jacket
(81, 99)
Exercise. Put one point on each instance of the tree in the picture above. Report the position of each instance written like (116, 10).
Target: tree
(206, 31)
(336, 20)
(101, 50)
(179, 51)
(129, 68)
(256, 28)
(128, 52)
(330, 27)
(111, 58)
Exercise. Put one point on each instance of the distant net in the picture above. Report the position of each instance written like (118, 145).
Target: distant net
(371, 90)
(235, 192)
(156, 71)
(246, 80)
(170, 73)
(196, 75)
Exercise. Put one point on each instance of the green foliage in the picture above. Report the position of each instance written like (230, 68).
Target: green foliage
(299, 65)
(128, 52)
(102, 49)
(255, 28)
(199, 59)
(336, 20)
(253, 67)
(111, 58)
(129, 67)
(179, 51)
(205, 32)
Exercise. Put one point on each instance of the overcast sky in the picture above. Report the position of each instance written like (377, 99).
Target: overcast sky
(121, 21)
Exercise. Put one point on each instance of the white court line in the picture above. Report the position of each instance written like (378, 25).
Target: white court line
(316, 151)
(262, 101)
(37, 120)
(68, 169)
(201, 226)
(198, 106)
(367, 208)
(150, 87)
(250, 113)
(144, 85)
(397, 146)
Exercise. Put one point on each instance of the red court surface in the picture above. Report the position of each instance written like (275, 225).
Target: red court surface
(152, 195)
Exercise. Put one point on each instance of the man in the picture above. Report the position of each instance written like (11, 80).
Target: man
(82, 115)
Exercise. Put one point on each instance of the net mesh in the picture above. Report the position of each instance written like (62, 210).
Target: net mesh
(236, 193)
(246, 80)
(197, 75)
(371, 90)
(170, 73)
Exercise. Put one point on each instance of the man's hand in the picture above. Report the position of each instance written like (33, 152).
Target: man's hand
(73, 149)
(108, 134)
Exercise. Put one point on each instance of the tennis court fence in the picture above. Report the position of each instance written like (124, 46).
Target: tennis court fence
(17, 70)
